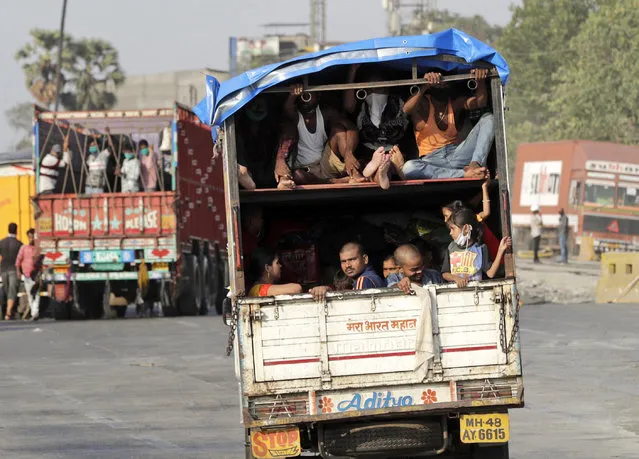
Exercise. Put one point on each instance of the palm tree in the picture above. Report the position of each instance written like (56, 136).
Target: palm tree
(39, 62)
(94, 76)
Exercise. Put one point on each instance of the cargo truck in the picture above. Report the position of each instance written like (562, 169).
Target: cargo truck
(105, 251)
(375, 372)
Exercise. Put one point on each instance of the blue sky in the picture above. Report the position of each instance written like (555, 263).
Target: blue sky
(163, 35)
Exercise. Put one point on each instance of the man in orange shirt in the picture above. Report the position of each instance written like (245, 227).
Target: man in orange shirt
(435, 117)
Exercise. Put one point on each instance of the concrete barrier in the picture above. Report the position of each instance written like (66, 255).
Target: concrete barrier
(587, 249)
(619, 281)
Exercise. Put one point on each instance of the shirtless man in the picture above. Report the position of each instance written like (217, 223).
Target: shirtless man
(435, 115)
(326, 143)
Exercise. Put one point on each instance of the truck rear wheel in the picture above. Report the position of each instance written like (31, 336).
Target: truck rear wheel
(60, 310)
(491, 452)
(207, 291)
(166, 300)
(190, 301)
(216, 281)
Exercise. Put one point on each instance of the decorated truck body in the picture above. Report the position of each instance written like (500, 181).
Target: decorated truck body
(376, 372)
(105, 251)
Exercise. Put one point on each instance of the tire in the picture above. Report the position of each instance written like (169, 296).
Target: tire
(207, 292)
(491, 452)
(216, 282)
(109, 312)
(190, 301)
(60, 310)
(120, 311)
(166, 299)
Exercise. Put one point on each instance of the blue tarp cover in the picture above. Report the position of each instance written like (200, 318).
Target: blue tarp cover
(223, 100)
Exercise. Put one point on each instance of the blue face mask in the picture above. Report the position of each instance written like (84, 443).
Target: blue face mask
(129, 155)
(144, 151)
(93, 149)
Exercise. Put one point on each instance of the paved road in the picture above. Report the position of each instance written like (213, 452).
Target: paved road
(161, 388)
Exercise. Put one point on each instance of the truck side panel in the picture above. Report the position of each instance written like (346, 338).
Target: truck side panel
(200, 183)
(15, 202)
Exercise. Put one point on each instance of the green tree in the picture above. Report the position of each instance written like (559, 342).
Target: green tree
(535, 45)
(597, 92)
(95, 75)
(20, 118)
(39, 63)
(90, 71)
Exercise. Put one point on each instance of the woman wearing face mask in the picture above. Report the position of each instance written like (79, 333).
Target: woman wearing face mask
(382, 124)
(467, 258)
(130, 170)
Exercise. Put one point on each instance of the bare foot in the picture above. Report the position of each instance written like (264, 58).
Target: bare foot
(382, 177)
(286, 184)
(397, 158)
(374, 163)
(477, 173)
(473, 165)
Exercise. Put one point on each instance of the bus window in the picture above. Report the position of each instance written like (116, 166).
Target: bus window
(628, 195)
(600, 193)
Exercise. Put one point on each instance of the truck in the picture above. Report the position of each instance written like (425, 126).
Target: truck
(374, 372)
(165, 247)
(596, 183)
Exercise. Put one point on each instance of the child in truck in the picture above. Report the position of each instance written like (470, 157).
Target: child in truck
(467, 258)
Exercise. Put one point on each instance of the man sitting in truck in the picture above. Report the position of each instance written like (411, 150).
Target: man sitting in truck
(435, 113)
(411, 264)
(354, 263)
(326, 142)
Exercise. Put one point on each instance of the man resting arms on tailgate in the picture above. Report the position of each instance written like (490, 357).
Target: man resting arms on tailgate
(354, 262)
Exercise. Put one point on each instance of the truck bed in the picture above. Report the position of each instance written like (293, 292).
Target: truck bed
(377, 351)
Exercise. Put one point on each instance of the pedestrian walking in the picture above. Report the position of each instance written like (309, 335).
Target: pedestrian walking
(563, 229)
(9, 248)
(536, 224)
(25, 268)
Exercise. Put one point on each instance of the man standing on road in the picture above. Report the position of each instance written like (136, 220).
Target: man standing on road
(25, 264)
(563, 235)
(536, 224)
(9, 248)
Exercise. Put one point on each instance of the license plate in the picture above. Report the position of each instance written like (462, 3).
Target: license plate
(159, 266)
(268, 444)
(484, 428)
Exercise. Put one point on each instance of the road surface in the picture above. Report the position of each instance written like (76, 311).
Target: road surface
(162, 388)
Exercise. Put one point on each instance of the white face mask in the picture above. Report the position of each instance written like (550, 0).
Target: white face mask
(463, 239)
(376, 104)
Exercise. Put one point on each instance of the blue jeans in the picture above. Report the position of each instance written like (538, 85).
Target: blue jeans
(449, 161)
(563, 245)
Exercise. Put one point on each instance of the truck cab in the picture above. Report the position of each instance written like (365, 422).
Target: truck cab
(372, 372)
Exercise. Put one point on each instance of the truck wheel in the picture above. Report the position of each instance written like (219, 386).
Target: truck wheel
(109, 312)
(190, 300)
(166, 300)
(207, 288)
(491, 452)
(60, 310)
(216, 282)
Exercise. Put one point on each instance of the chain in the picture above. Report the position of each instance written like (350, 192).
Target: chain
(476, 296)
(502, 327)
(233, 327)
(515, 330)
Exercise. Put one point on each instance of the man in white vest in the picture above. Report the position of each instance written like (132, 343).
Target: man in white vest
(51, 165)
(326, 143)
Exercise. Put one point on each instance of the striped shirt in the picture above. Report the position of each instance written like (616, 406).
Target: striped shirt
(369, 279)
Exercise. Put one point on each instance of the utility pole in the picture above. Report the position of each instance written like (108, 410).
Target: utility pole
(58, 72)
(318, 21)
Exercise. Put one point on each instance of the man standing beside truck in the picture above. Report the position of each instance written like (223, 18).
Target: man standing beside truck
(563, 230)
(435, 116)
(9, 248)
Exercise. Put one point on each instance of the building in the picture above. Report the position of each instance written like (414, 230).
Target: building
(596, 183)
(161, 90)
